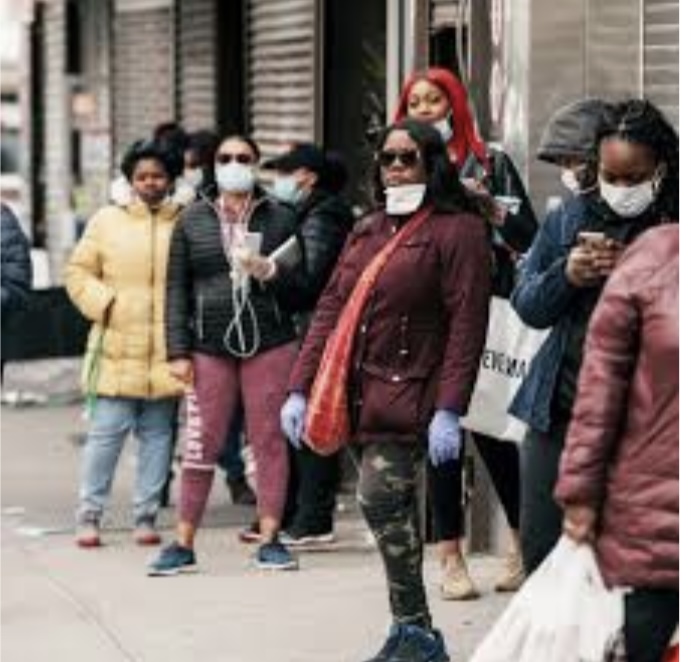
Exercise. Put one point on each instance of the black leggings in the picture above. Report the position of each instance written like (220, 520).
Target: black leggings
(651, 616)
(446, 485)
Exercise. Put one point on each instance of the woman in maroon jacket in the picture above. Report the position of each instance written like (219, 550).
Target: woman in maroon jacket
(410, 296)
(619, 480)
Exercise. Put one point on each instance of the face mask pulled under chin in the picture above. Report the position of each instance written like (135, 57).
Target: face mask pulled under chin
(235, 177)
(628, 201)
(404, 199)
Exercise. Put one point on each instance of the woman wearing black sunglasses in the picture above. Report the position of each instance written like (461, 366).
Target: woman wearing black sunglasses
(230, 337)
(404, 315)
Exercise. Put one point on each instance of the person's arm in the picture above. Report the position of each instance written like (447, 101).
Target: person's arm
(179, 296)
(518, 228)
(331, 303)
(543, 291)
(84, 271)
(466, 288)
(16, 263)
(609, 360)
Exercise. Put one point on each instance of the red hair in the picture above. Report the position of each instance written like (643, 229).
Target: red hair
(465, 139)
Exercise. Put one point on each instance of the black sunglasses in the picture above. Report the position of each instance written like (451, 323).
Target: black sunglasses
(407, 158)
(224, 158)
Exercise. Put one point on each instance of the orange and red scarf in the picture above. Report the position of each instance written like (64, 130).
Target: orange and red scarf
(327, 425)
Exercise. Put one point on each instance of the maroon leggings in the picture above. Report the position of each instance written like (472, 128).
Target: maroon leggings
(219, 383)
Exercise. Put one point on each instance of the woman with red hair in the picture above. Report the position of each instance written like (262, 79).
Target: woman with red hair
(437, 97)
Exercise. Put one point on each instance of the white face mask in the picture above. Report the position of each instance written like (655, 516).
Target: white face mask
(193, 177)
(235, 177)
(570, 181)
(628, 201)
(404, 199)
(444, 128)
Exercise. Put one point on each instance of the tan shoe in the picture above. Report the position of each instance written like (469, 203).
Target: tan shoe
(456, 583)
(513, 575)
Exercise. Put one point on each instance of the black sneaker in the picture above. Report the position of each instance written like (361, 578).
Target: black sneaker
(173, 560)
(274, 556)
(299, 537)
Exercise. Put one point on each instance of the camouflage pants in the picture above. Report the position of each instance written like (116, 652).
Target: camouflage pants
(387, 493)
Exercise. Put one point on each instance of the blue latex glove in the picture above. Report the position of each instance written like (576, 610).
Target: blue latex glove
(445, 437)
(293, 418)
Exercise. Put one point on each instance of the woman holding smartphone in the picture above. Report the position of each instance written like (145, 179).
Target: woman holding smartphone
(560, 283)
(228, 338)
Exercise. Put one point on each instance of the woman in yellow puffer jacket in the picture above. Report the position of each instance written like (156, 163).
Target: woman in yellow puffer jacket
(116, 276)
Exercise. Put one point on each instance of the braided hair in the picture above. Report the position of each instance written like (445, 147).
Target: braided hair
(638, 121)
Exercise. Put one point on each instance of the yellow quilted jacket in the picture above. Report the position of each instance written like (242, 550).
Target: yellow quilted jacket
(116, 276)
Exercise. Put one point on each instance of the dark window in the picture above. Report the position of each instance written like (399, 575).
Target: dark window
(73, 38)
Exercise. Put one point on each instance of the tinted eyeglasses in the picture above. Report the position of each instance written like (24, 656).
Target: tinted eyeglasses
(223, 158)
(408, 158)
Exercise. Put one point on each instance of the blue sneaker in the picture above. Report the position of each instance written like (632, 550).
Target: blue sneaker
(275, 556)
(411, 643)
(173, 560)
(418, 644)
(390, 645)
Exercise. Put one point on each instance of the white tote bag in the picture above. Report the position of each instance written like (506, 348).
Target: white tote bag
(562, 613)
(509, 349)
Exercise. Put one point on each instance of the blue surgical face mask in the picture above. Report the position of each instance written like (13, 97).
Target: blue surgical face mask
(235, 177)
(286, 189)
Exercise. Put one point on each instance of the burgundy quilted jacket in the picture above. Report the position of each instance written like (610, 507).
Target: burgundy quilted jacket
(622, 449)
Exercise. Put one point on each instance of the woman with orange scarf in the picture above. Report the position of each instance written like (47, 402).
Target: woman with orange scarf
(392, 354)
(437, 97)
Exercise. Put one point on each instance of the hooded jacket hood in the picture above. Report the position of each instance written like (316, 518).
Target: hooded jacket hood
(573, 130)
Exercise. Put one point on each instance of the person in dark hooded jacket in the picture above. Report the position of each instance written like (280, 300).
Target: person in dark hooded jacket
(569, 139)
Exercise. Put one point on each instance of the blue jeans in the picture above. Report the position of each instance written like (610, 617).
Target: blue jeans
(151, 422)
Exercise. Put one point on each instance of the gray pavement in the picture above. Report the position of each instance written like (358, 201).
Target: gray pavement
(64, 604)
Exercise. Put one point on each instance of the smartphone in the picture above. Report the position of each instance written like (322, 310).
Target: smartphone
(253, 241)
(595, 240)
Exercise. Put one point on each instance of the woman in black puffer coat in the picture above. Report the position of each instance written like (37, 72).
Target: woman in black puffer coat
(230, 338)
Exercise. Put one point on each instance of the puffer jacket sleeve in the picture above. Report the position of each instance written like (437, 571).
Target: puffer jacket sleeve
(543, 292)
(603, 387)
(331, 303)
(84, 270)
(179, 296)
(16, 263)
(321, 236)
(466, 287)
(519, 228)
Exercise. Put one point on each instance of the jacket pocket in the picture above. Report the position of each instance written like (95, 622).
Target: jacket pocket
(395, 401)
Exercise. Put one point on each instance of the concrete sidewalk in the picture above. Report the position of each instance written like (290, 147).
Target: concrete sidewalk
(64, 604)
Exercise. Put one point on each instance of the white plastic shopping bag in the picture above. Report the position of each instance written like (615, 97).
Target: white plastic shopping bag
(510, 347)
(563, 613)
